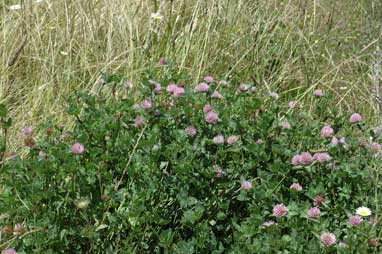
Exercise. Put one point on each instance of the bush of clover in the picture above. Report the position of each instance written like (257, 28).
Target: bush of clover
(160, 166)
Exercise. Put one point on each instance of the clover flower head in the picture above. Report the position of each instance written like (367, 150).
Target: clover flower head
(314, 212)
(246, 185)
(280, 210)
(355, 220)
(328, 239)
(355, 118)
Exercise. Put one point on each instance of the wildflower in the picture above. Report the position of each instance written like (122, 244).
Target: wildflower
(268, 223)
(355, 118)
(163, 61)
(27, 130)
(375, 147)
(342, 141)
(295, 160)
(254, 89)
(128, 84)
(243, 87)
(158, 89)
(219, 139)
(246, 185)
(305, 158)
(178, 92)
(147, 104)
(372, 242)
(42, 155)
(321, 157)
(155, 148)
(318, 92)
(156, 16)
(219, 172)
(208, 79)
(78, 148)
(18, 229)
(328, 239)
(362, 142)
(7, 230)
(231, 140)
(292, 104)
(355, 220)
(190, 131)
(327, 131)
(211, 117)
(171, 88)
(202, 87)
(138, 122)
(9, 251)
(216, 95)
(223, 82)
(296, 186)
(207, 108)
(285, 125)
(314, 212)
(280, 210)
(363, 211)
(64, 137)
(334, 141)
(342, 245)
(318, 200)
(259, 141)
(274, 95)
(29, 142)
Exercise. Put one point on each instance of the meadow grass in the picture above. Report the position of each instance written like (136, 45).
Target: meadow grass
(52, 48)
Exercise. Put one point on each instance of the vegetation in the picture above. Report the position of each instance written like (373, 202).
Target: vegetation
(53, 48)
(220, 168)
(190, 126)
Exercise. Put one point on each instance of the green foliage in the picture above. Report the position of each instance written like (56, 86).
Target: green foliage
(52, 48)
(155, 189)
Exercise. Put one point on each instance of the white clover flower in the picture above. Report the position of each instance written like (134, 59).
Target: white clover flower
(274, 95)
(363, 211)
(156, 16)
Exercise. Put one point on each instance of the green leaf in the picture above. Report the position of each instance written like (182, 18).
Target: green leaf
(7, 123)
(165, 238)
(3, 110)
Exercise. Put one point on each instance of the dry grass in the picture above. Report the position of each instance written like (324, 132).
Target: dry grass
(289, 46)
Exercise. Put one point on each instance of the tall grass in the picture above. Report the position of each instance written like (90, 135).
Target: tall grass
(53, 48)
